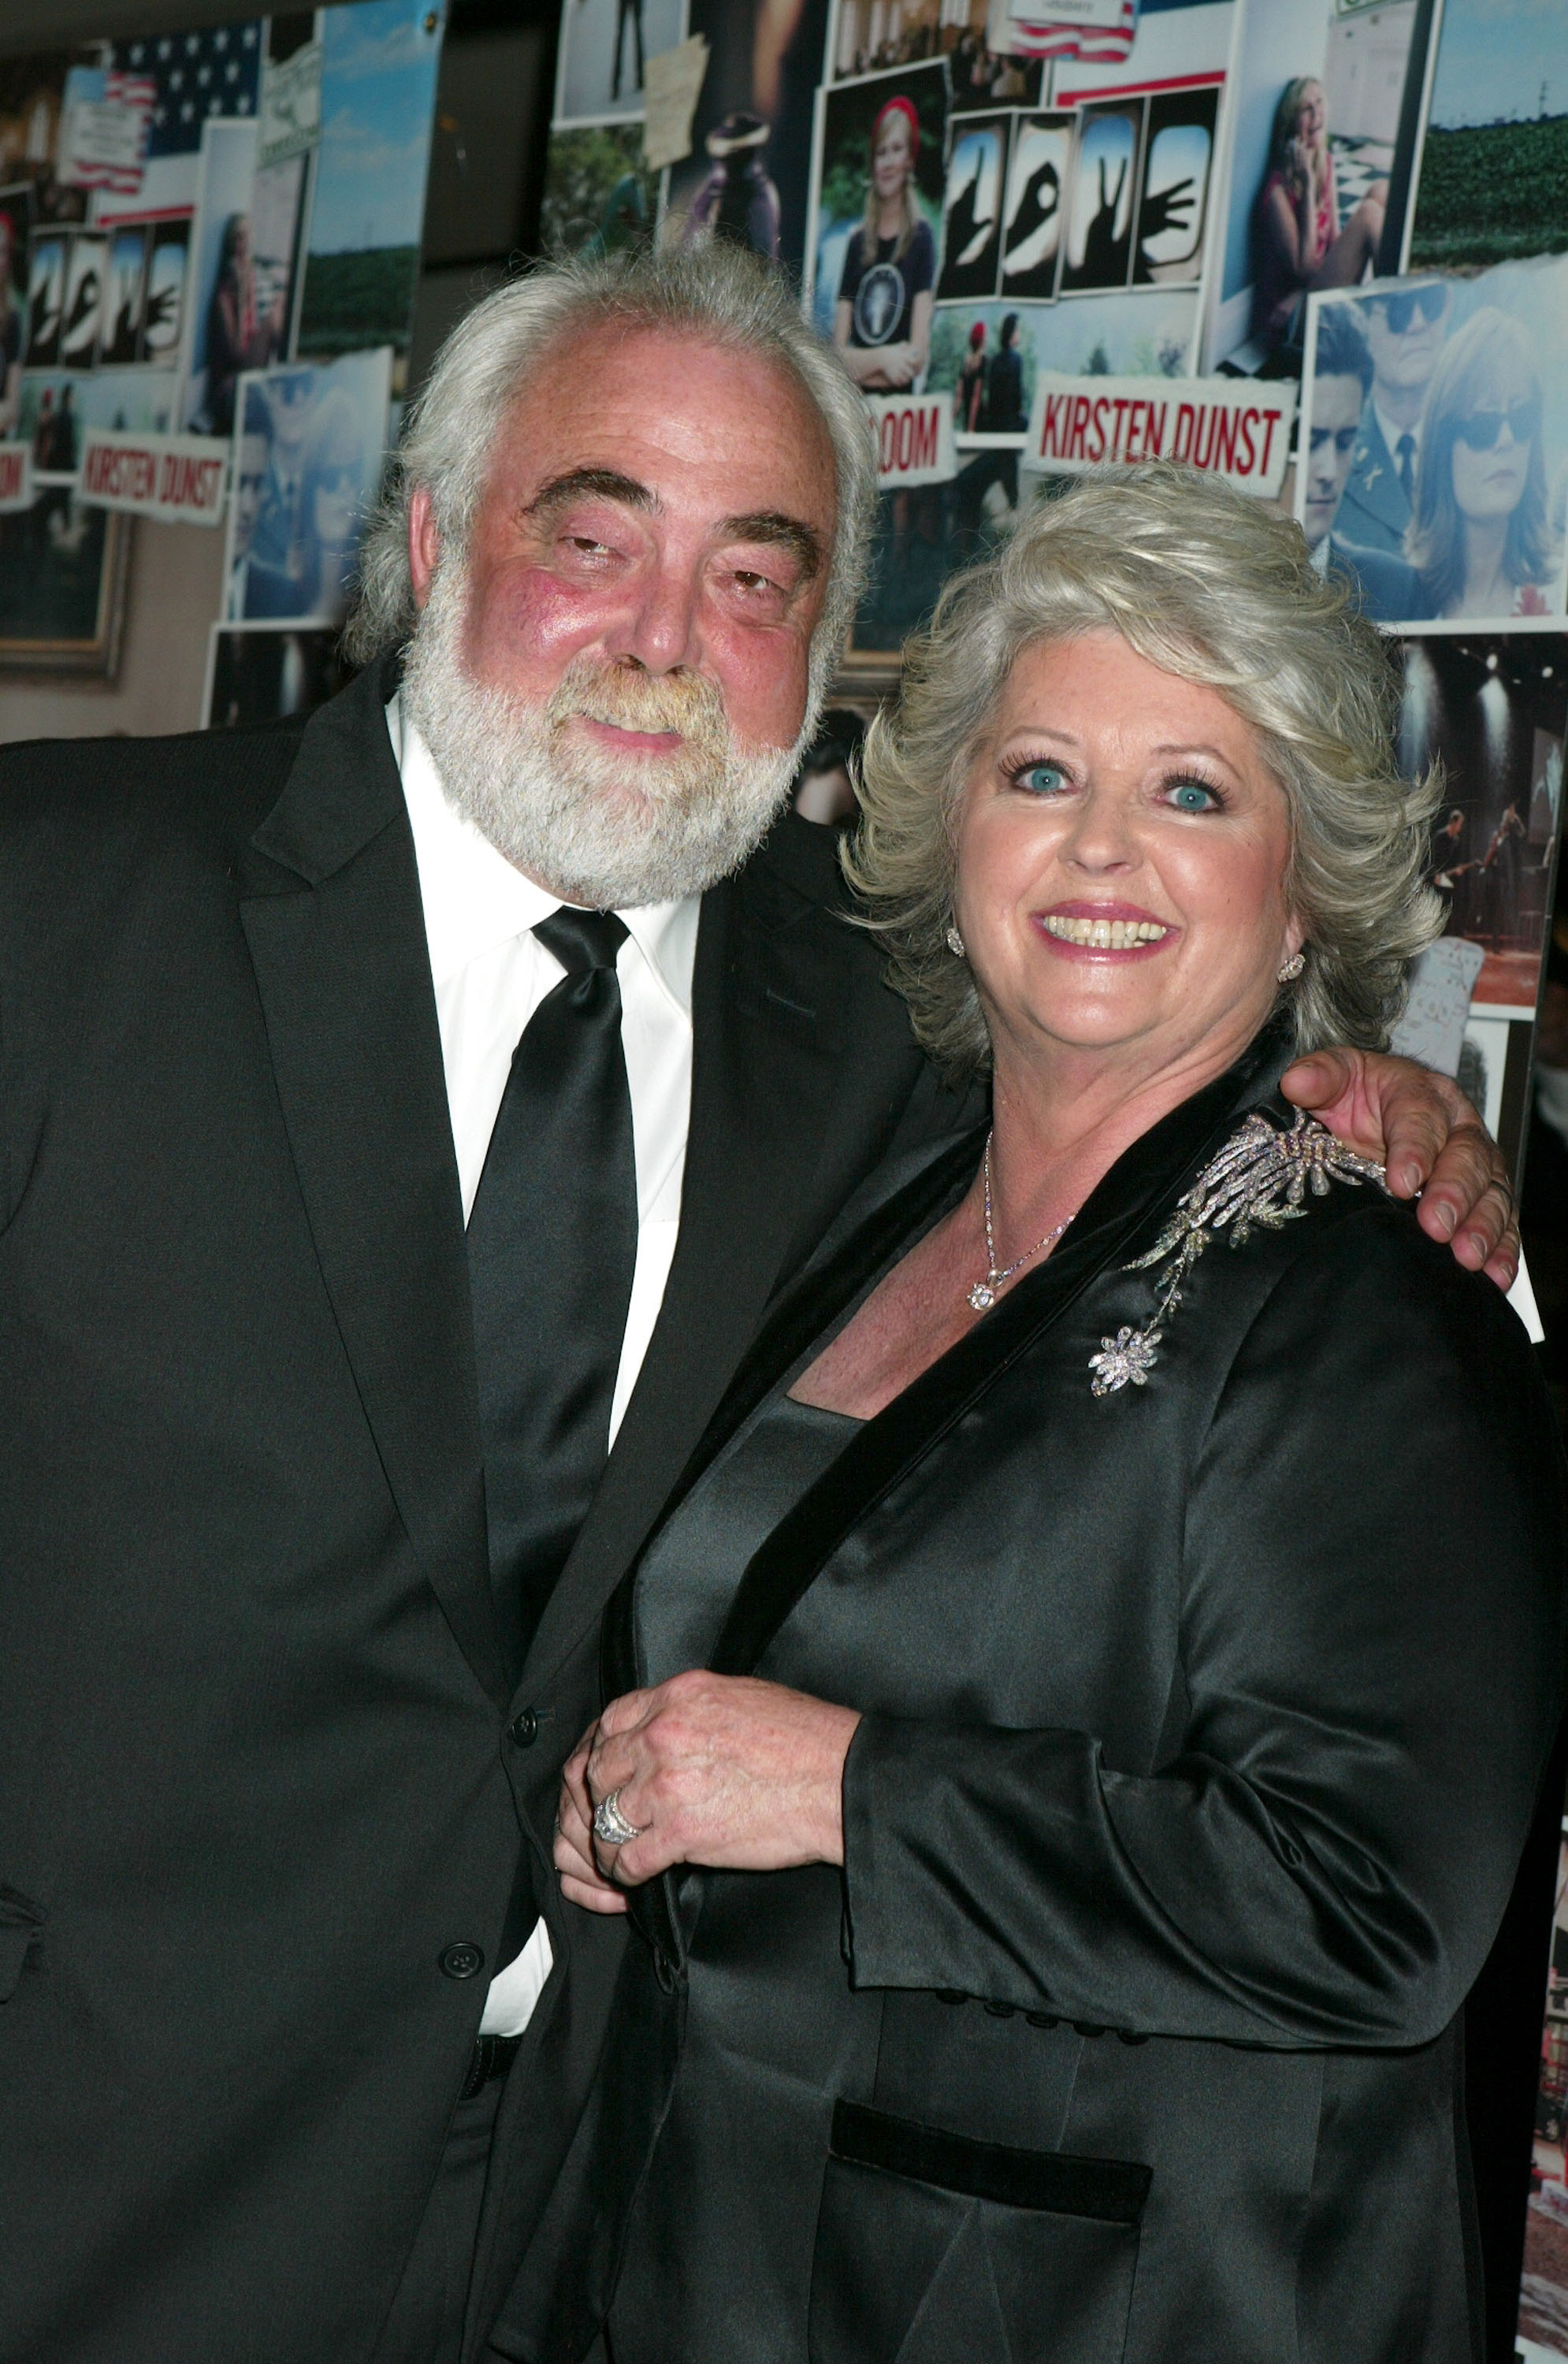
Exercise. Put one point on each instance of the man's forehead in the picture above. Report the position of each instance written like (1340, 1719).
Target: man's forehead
(681, 416)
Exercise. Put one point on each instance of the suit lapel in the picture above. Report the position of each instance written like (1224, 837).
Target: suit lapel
(767, 1045)
(331, 910)
(1136, 1193)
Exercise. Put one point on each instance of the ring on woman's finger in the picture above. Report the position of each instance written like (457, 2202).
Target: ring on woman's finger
(610, 1825)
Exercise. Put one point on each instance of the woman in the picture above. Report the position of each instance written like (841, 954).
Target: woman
(239, 335)
(882, 322)
(1480, 540)
(1300, 244)
(1130, 1668)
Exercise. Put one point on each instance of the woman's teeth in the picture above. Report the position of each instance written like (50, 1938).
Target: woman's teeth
(1104, 935)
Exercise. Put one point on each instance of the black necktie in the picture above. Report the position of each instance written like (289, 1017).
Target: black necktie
(1405, 452)
(551, 1246)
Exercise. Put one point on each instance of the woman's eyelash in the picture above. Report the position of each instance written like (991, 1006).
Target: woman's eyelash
(1176, 780)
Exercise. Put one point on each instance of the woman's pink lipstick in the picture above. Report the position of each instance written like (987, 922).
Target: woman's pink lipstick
(1103, 931)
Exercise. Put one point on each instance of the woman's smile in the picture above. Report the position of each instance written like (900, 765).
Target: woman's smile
(1096, 930)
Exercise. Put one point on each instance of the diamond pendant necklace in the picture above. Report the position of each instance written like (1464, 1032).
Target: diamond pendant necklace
(982, 1296)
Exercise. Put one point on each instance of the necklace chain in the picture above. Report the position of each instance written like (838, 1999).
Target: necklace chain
(982, 1296)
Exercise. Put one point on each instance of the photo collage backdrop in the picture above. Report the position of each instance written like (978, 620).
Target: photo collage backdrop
(214, 233)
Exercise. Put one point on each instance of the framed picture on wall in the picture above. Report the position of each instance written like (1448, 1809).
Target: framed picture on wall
(63, 587)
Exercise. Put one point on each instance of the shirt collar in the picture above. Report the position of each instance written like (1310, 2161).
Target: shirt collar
(1391, 434)
(475, 900)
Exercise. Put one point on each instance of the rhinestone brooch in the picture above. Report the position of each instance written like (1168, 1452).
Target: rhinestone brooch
(1257, 1182)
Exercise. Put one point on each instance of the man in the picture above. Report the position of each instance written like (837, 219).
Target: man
(1341, 379)
(311, 1497)
(1405, 332)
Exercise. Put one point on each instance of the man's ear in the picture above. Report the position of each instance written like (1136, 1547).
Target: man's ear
(424, 545)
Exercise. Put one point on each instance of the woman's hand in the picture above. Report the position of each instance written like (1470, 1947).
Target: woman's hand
(715, 1769)
(1424, 1130)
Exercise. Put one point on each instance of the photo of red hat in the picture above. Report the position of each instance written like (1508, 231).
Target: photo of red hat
(906, 108)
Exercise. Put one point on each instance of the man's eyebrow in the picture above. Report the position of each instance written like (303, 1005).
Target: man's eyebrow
(785, 532)
(592, 484)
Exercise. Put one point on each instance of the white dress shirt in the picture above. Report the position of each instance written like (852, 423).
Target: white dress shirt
(490, 974)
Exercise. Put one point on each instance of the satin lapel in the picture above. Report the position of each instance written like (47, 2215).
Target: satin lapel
(331, 910)
(762, 1080)
(1139, 1186)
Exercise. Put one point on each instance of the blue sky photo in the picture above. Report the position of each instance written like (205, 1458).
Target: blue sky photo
(1492, 58)
(378, 88)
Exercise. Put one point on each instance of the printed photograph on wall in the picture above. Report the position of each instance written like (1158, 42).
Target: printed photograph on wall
(1172, 203)
(1316, 104)
(1491, 180)
(1038, 178)
(971, 207)
(15, 227)
(379, 59)
(46, 298)
(308, 460)
(1543, 2334)
(598, 194)
(749, 174)
(263, 673)
(603, 46)
(83, 300)
(62, 574)
(1492, 709)
(869, 36)
(1104, 199)
(1447, 502)
(876, 221)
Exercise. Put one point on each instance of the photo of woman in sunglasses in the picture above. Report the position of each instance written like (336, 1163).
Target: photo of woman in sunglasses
(1484, 540)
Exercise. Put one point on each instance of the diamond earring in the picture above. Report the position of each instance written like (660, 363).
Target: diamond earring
(1293, 968)
(955, 943)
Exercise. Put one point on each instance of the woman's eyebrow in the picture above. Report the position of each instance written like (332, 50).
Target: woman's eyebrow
(591, 484)
(784, 532)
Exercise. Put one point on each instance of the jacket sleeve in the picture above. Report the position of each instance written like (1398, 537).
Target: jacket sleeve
(1370, 1646)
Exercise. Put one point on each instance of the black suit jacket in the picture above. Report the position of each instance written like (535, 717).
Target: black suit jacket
(1203, 1724)
(1372, 511)
(261, 1764)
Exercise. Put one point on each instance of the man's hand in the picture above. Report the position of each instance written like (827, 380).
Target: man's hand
(718, 1769)
(1424, 1130)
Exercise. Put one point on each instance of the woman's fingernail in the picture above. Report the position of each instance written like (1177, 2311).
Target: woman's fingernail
(1448, 1221)
(1411, 1177)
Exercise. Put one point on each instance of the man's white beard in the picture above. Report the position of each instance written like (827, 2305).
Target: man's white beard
(607, 830)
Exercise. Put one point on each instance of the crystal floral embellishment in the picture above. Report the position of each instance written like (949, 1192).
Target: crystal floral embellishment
(1257, 1182)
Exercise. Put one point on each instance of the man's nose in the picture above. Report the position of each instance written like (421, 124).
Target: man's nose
(659, 624)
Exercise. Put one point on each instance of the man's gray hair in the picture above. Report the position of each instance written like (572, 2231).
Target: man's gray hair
(720, 292)
(1208, 584)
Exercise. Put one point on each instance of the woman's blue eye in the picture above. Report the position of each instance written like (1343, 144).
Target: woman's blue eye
(1041, 779)
(1192, 797)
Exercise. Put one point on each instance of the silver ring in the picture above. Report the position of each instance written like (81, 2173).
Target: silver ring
(610, 1825)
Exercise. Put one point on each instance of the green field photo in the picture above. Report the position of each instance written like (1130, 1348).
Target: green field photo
(354, 301)
(1489, 191)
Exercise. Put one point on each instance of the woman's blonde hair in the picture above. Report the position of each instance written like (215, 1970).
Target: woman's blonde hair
(871, 230)
(1208, 584)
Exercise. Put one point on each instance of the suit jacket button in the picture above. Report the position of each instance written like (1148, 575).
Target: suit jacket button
(1087, 2028)
(950, 1994)
(1042, 2019)
(462, 1960)
(524, 1727)
(1001, 2010)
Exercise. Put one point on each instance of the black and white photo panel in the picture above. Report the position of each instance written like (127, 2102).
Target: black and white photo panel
(83, 300)
(124, 289)
(1173, 212)
(972, 210)
(1105, 196)
(162, 313)
(1040, 177)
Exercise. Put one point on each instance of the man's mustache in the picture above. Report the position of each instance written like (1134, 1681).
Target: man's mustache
(630, 699)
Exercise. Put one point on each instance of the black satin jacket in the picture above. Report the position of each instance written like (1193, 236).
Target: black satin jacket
(1203, 1724)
